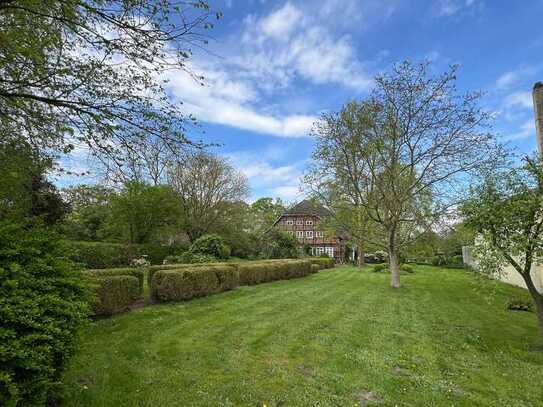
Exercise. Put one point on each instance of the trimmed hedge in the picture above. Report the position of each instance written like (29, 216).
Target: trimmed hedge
(322, 262)
(183, 282)
(134, 272)
(114, 293)
(115, 289)
(99, 255)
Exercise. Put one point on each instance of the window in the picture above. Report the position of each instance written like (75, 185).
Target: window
(309, 234)
(319, 233)
(300, 234)
(290, 232)
(290, 222)
(309, 222)
(330, 251)
(319, 251)
(299, 222)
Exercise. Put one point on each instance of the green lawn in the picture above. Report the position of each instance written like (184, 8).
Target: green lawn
(341, 337)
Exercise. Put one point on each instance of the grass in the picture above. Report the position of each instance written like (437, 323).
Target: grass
(337, 338)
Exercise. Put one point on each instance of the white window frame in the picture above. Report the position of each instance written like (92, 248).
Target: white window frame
(319, 233)
(309, 234)
(290, 222)
(329, 251)
(309, 222)
(319, 250)
(299, 222)
(300, 234)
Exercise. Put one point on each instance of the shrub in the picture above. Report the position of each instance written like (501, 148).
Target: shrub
(228, 277)
(323, 262)
(192, 258)
(43, 302)
(380, 268)
(134, 272)
(315, 268)
(211, 245)
(277, 244)
(114, 293)
(183, 284)
(407, 268)
(520, 304)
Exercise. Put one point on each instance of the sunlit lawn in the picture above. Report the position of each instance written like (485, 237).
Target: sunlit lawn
(337, 338)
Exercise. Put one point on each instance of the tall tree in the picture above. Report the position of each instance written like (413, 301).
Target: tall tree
(408, 148)
(92, 72)
(506, 211)
(206, 184)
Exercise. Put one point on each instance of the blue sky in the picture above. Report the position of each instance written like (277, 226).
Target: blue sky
(273, 66)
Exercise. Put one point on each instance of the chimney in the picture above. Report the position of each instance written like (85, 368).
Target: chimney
(538, 109)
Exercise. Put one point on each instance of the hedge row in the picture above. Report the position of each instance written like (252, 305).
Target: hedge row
(98, 255)
(183, 282)
(115, 289)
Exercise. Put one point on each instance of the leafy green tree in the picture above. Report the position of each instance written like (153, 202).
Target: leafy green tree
(276, 244)
(93, 72)
(211, 245)
(89, 211)
(140, 212)
(264, 212)
(506, 211)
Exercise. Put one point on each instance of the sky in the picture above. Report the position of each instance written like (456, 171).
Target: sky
(272, 67)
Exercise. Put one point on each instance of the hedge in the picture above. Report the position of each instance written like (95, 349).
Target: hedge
(322, 262)
(115, 289)
(99, 255)
(139, 273)
(183, 282)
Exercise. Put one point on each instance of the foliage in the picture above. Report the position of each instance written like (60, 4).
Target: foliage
(379, 268)
(520, 304)
(25, 193)
(89, 212)
(210, 245)
(398, 157)
(506, 210)
(206, 185)
(276, 244)
(93, 72)
(265, 211)
(43, 302)
(141, 212)
(114, 293)
(191, 258)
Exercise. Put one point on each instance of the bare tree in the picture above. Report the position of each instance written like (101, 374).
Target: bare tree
(404, 153)
(206, 184)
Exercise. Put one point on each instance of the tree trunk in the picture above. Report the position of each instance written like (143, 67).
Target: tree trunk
(360, 252)
(537, 297)
(393, 260)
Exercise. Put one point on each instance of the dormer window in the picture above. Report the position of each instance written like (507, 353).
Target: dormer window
(290, 222)
(309, 222)
(300, 234)
(299, 222)
(309, 234)
(319, 233)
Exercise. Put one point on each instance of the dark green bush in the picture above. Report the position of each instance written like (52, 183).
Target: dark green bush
(315, 268)
(228, 276)
(190, 257)
(114, 293)
(520, 304)
(43, 302)
(99, 255)
(211, 245)
(183, 284)
(380, 268)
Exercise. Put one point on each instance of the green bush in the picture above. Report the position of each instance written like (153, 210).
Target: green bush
(43, 302)
(380, 268)
(190, 257)
(183, 284)
(134, 272)
(520, 304)
(315, 268)
(323, 262)
(114, 293)
(99, 255)
(228, 277)
(211, 245)
(407, 268)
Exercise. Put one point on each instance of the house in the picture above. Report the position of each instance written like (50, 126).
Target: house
(304, 221)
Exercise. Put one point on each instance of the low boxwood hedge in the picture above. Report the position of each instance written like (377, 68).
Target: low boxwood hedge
(183, 282)
(139, 273)
(114, 293)
(322, 262)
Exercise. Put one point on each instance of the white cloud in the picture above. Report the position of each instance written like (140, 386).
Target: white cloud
(527, 130)
(519, 99)
(507, 79)
(447, 8)
(281, 22)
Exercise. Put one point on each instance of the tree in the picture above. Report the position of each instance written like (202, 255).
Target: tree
(265, 211)
(89, 211)
(506, 211)
(205, 185)
(140, 212)
(408, 149)
(93, 72)
(276, 244)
